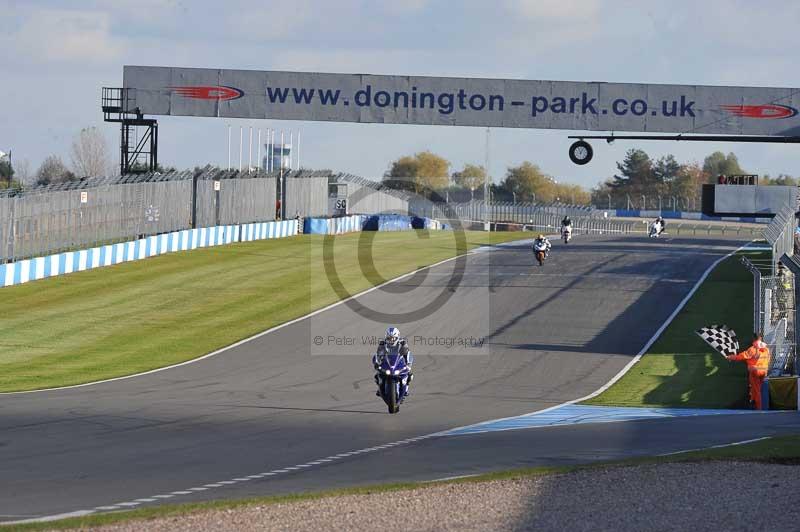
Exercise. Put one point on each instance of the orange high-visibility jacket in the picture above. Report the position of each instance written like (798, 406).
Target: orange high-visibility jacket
(756, 356)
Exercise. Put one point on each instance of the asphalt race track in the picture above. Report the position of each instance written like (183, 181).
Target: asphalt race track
(305, 392)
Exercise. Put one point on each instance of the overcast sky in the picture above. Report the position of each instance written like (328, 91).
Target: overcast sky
(56, 55)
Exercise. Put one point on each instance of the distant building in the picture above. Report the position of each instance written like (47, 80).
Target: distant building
(277, 156)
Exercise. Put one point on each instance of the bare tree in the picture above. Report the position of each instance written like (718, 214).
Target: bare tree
(90, 153)
(23, 172)
(53, 170)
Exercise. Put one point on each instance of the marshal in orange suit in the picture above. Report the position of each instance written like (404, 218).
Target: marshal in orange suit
(757, 359)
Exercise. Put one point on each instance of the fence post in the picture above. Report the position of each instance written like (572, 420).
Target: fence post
(193, 223)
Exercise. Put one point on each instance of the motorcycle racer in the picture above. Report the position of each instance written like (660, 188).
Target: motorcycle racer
(392, 341)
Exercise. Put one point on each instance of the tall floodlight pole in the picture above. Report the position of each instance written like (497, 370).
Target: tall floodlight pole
(229, 146)
(241, 144)
(258, 151)
(250, 151)
(281, 154)
(291, 149)
(271, 150)
(486, 186)
(282, 178)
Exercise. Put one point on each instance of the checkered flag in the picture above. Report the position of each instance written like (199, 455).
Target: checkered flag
(721, 338)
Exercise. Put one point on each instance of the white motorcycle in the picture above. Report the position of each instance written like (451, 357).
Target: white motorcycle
(540, 250)
(566, 233)
(656, 228)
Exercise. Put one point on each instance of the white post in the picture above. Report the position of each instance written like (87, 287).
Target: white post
(258, 157)
(282, 179)
(280, 156)
(271, 149)
(291, 149)
(298, 150)
(241, 145)
(229, 146)
(486, 186)
(250, 150)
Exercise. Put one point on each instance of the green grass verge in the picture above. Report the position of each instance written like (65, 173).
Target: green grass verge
(680, 370)
(777, 450)
(142, 315)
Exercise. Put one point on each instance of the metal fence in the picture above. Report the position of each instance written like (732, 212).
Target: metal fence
(306, 196)
(497, 211)
(780, 235)
(240, 199)
(775, 293)
(655, 202)
(365, 196)
(75, 214)
(774, 315)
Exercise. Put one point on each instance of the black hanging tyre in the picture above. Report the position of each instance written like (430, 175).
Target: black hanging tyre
(391, 396)
(581, 152)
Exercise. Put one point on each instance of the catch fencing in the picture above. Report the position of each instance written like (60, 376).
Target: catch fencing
(104, 210)
(505, 211)
(774, 313)
(775, 293)
(306, 195)
(365, 196)
(780, 235)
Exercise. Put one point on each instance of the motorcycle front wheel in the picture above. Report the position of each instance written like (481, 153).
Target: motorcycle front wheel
(391, 396)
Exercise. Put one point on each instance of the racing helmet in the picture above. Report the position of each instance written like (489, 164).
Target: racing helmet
(540, 237)
(392, 336)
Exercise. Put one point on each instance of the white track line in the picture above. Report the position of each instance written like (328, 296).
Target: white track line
(743, 442)
(337, 457)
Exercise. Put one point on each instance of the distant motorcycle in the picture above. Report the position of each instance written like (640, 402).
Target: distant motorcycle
(540, 251)
(393, 377)
(656, 228)
(566, 233)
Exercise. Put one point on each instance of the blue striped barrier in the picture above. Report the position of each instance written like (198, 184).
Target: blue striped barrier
(387, 222)
(86, 259)
(333, 226)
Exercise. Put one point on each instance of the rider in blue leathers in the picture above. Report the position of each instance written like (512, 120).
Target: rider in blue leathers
(391, 340)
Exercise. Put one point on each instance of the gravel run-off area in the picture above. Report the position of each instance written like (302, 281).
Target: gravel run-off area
(698, 496)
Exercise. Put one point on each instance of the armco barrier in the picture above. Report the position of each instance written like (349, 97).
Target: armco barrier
(333, 226)
(418, 222)
(678, 215)
(388, 222)
(86, 259)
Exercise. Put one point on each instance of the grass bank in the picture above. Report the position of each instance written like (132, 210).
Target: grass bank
(680, 369)
(142, 315)
(776, 450)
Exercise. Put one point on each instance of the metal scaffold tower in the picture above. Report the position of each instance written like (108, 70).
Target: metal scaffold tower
(138, 135)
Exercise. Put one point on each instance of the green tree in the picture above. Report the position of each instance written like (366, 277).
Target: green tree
(53, 170)
(781, 180)
(666, 170)
(527, 182)
(6, 171)
(422, 172)
(718, 164)
(470, 177)
(635, 172)
(433, 172)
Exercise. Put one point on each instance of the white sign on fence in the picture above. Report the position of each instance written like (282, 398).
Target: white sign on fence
(217, 185)
(84, 197)
(516, 103)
